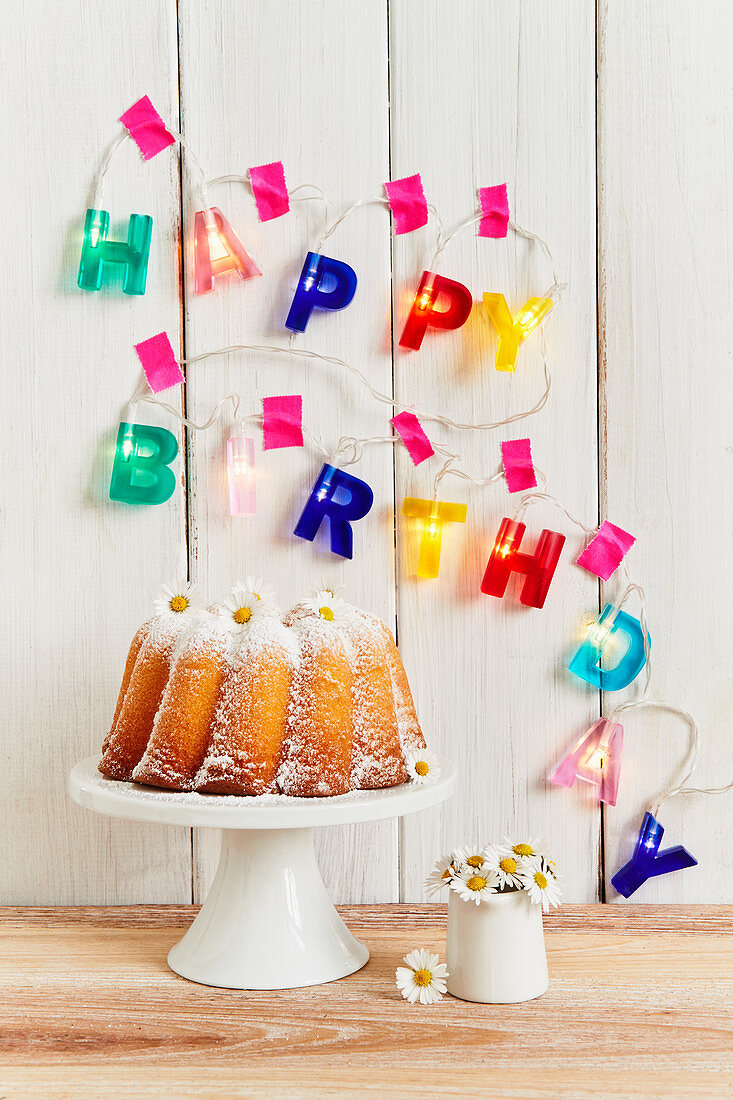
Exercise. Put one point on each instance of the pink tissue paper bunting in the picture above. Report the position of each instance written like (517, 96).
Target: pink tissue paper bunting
(282, 424)
(606, 550)
(516, 454)
(417, 443)
(270, 190)
(159, 362)
(408, 203)
(146, 128)
(495, 209)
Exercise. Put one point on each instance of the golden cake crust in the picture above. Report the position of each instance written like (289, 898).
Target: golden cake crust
(306, 707)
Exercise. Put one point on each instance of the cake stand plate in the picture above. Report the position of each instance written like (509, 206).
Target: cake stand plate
(268, 921)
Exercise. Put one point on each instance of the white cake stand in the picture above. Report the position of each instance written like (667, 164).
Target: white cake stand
(268, 922)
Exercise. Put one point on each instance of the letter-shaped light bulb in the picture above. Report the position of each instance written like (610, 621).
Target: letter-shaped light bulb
(602, 639)
(324, 283)
(434, 514)
(217, 250)
(424, 313)
(596, 759)
(647, 861)
(341, 514)
(513, 331)
(538, 568)
(99, 254)
(141, 472)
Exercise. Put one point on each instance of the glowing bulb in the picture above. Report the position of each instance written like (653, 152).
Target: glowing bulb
(127, 445)
(512, 331)
(423, 301)
(595, 759)
(217, 250)
(434, 514)
(101, 257)
(241, 472)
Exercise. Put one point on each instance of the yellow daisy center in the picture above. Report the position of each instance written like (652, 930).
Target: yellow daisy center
(242, 615)
(448, 872)
(508, 865)
(523, 850)
(540, 879)
(475, 861)
(178, 603)
(423, 977)
(326, 613)
(476, 883)
(422, 767)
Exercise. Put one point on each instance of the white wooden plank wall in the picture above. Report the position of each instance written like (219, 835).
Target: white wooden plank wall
(347, 94)
(665, 162)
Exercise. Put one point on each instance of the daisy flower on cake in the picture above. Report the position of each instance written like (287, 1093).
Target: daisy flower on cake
(423, 766)
(475, 885)
(176, 598)
(326, 605)
(423, 979)
(242, 608)
(262, 592)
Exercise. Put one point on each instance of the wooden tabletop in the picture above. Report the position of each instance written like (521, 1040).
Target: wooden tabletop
(639, 1005)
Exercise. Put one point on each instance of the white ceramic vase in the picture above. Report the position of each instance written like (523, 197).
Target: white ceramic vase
(496, 950)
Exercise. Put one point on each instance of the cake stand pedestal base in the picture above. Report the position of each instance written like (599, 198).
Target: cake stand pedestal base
(268, 921)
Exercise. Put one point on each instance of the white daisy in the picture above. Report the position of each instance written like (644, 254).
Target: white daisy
(423, 979)
(474, 858)
(176, 598)
(242, 608)
(326, 585)
(472, 885)
(440, 876)
(542, 887)
(262, 592)
(508, 866)
(531, 847)
(423, 766)
(328, 606)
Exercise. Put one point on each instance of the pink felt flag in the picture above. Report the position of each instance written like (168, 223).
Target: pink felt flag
(606, 550)
(146, 128)
(414, 438)
(408, 203)
(495, 209)
(516, 454)
(159, 362)
(270, 190)
(282, 423)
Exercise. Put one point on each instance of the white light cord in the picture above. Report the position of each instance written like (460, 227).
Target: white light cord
(384, 398)
(380, 201)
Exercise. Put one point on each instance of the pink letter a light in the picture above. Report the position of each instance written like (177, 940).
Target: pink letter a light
(596, 759)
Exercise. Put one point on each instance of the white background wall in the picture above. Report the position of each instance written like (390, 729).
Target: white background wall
(612, 129)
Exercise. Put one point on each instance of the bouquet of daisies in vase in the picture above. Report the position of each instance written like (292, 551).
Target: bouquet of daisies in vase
(496, 950)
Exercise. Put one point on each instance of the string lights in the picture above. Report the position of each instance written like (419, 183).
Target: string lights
(142, 474)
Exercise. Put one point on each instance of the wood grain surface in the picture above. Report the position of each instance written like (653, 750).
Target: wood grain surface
(639, 1005)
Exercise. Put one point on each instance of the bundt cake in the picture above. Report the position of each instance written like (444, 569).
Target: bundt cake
(235, 699)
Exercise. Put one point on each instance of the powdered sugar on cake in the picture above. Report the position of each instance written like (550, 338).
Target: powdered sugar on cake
(254, 706)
